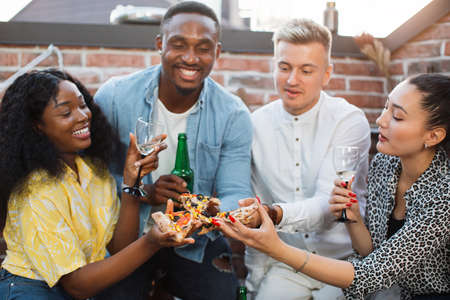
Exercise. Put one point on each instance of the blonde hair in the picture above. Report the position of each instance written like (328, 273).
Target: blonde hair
(304, 31)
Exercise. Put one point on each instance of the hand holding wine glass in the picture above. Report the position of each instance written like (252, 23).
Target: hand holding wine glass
(148, 138)
(345, 160)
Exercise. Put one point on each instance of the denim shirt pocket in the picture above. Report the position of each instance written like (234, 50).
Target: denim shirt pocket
(207, 163)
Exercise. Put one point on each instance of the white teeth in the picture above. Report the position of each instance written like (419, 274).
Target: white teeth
(81, 131)
(188, 72)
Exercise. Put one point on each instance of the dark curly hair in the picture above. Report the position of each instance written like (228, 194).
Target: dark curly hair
(436, 101)
(24, 149)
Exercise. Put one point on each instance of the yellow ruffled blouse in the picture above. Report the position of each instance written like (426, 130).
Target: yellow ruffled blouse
(56, 226)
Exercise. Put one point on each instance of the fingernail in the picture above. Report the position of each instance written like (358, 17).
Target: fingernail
(343, 184)
(354, 200)
(137, 164)
(348, 204)
(214, 221)
(352, 194)
(259, 200)
(232, 219)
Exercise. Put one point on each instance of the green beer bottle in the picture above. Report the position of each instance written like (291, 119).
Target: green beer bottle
(241, 293)
(182, 167)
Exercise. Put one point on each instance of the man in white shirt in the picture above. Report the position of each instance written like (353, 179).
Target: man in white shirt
(292, 167)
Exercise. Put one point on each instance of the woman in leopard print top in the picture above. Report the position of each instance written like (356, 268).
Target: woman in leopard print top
(417, 256)
(409, 182)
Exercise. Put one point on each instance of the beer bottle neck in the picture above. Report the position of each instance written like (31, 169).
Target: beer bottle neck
(182, 159)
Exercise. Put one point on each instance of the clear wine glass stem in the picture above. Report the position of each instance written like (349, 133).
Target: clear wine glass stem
(138, 178)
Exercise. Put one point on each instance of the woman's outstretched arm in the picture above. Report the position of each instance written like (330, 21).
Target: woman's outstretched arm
(265, 239)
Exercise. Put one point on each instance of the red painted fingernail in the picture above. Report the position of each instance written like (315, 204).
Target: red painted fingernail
(343, 184)
(352, 194)
(259, 200)
(348, 204)
(353, 200)
(232, 219)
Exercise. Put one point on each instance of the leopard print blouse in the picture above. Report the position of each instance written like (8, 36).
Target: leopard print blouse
(417, 256)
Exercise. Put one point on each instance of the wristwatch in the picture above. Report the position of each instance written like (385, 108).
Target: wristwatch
(126, 188)
(123, 185)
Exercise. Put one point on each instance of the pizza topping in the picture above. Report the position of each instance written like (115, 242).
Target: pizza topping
(204, 209)
(232, 219)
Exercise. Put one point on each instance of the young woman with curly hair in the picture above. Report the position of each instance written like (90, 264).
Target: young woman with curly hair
(59, 204)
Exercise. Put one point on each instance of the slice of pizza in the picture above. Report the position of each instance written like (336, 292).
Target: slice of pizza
(180, 222)
(206, 208)
(203, 208)
(204, 205)
(244, 214)
(199, 208)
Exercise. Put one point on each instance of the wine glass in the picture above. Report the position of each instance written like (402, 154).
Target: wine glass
(148, 137)
(345, 160)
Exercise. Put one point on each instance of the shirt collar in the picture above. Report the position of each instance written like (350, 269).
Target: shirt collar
(306, 117)
(438, 167)
(85, 172)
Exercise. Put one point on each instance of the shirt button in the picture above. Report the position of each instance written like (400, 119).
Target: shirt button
(306, 236)
(297, 164)
(297, 139)
(297, 189)
(295, 119)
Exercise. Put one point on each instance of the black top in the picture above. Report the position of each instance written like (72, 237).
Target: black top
(393, 226)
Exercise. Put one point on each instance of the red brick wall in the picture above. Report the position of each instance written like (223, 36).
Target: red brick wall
(428, 52)
(248, 75)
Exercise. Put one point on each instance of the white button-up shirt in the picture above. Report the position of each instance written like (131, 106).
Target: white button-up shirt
(292, 166)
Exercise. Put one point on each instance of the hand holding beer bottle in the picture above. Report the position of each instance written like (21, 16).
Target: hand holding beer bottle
(181, 179)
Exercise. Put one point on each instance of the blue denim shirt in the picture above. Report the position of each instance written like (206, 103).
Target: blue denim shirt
(219, 135)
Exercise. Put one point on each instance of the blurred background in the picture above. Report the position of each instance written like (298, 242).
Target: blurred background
(379, 17)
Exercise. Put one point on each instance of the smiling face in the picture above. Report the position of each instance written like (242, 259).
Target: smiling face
(301, 71)
(189, 48)
(66, 121)
(402, 124)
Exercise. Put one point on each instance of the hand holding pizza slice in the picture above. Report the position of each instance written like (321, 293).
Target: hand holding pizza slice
(180, 223)
(199, 208)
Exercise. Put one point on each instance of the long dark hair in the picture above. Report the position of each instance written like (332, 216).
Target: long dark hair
(436, 101)
(25, 149)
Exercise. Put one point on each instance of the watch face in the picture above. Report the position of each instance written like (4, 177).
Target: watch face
(137, 191)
